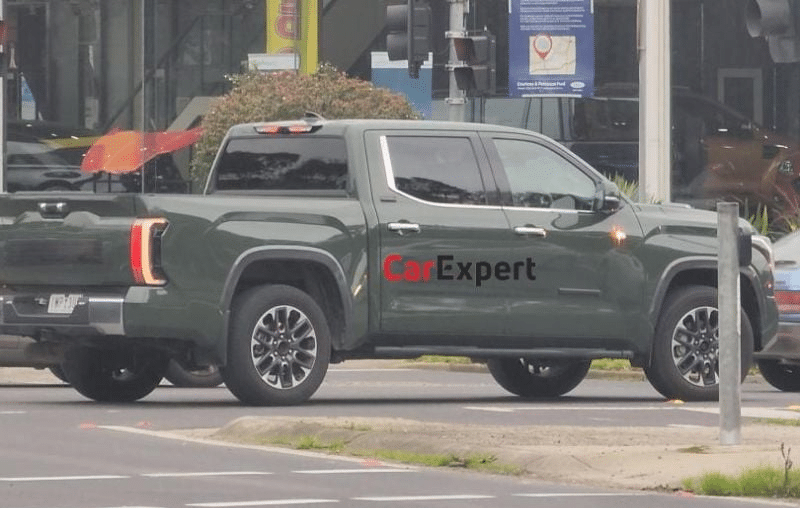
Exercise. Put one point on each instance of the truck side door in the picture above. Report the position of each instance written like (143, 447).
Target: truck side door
(439, 223)
(588, 283)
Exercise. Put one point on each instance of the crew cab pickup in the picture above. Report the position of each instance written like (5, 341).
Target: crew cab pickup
(319, 241)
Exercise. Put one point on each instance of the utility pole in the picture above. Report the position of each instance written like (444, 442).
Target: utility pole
(457, 98)
(655, 90)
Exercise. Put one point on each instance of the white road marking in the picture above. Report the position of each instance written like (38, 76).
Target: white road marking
(495, 409)
(753, 412)
(217, 473)
(584, 494)
(61, 478)
(348, 471)
(13, 412)
(271, 502)
(225, 444)
(453, 497)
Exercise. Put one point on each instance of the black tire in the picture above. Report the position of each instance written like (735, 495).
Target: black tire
(207, 377)
(784, 377)
(114, 376)
(694, 310)
(266, 364)
(58, 372)
(531, 378)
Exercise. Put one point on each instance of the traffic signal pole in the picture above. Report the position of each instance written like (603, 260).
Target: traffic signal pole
(457, 99)
(3, 95)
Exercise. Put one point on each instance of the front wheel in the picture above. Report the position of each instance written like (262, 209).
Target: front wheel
(685, 363)
(279, 346)
(529, 377)
(784, 377)
(114, 375)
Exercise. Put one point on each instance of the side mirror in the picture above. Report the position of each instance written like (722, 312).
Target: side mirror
(607, 197)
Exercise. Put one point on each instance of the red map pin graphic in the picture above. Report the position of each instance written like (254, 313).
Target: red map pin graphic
(542, 44)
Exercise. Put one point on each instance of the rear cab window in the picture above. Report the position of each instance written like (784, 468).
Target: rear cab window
(282, 164)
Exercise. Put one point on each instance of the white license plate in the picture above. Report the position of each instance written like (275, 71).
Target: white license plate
(62, 304)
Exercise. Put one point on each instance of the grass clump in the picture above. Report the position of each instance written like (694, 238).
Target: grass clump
(763, 481)
(479, 462)
(441, 359)
(614, 364)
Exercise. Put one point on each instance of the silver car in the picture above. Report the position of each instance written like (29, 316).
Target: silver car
(779, 361)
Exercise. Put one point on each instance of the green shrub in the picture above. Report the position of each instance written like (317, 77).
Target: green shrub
(258, 97)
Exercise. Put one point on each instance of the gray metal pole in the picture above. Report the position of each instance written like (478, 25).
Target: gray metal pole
(3, 96)
(457, 100)
(730, 331)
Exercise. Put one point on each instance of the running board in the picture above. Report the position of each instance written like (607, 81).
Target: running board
(481, 353)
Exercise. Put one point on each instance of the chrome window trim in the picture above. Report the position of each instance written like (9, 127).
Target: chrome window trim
(387, 165)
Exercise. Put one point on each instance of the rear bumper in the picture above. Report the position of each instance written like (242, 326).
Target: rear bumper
(92, 315)
(785, 345)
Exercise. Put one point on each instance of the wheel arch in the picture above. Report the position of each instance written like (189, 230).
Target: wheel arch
(309, 269)
(703, 272)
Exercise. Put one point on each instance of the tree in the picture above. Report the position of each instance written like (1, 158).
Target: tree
(259, 97)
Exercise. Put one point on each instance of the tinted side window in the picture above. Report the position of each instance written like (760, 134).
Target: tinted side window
(282, 163)
(436, 169)
(541, 178)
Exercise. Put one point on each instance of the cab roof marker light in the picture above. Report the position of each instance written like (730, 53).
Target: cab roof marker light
(141, 251)
(299, 128)
(268, 129)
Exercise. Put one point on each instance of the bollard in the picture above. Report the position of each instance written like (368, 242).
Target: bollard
(730, 330)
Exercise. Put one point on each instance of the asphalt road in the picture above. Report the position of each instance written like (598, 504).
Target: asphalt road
(62, 451)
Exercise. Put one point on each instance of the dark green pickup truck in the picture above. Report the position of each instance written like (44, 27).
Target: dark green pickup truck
(319, 241)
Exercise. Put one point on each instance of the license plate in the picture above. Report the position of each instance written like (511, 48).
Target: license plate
(62, 304)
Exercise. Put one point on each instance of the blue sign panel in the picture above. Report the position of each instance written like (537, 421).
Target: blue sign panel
(551, 48)
(394, 76)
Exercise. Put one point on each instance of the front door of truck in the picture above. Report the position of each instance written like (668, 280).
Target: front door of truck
(441, 231)
(587, 285)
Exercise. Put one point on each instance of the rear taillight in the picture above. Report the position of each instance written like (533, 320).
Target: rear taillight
(788, 302)
(145, 254)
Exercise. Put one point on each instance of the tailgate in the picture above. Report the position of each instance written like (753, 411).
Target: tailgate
(66, 239)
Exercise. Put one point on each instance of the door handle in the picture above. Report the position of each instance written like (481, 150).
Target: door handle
(530, 231)
(402, 228)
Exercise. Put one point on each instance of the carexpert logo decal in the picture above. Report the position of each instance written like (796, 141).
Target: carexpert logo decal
(446, 268)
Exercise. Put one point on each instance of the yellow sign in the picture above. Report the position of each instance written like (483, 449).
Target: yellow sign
(293, 27)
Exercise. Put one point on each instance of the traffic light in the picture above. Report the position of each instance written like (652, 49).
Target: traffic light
(409, 36)
(777, 22)
(475, 69)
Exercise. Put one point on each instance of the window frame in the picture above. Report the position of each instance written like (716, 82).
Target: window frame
(498, 169)
(487, 178)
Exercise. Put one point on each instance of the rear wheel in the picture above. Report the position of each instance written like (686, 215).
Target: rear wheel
(685, 362)
(206, 377)
(114, 376)
(782, 376)
(279, 346)
(529, 377)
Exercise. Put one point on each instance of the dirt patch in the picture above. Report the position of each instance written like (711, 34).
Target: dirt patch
(630, 457)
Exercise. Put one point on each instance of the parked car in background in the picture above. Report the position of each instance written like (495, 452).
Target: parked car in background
(45, 156)
(718, 153)
(779, 361)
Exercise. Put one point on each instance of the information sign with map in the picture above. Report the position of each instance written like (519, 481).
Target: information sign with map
(551, 48)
